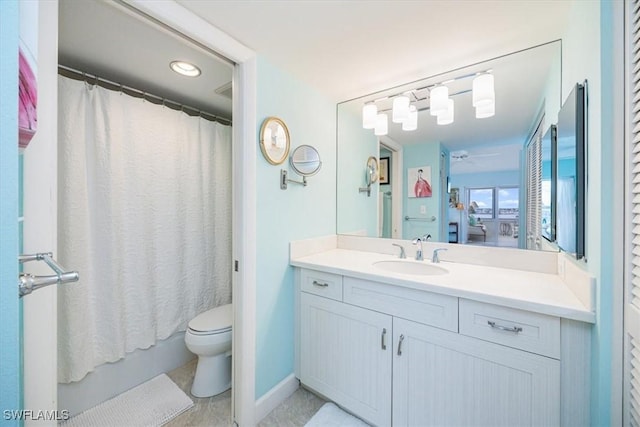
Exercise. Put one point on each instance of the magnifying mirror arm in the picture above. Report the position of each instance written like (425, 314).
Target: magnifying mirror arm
(366, 189)
(284, 180)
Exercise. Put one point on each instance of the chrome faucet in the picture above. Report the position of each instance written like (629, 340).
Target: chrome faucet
(418, 241)
(435, 259)
(402, 255)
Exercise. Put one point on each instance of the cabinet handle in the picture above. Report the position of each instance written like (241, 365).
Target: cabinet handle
(383, 344)
(322, 285)
(515, 329)
(400, 345)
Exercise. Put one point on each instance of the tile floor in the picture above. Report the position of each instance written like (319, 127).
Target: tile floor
(216, 411)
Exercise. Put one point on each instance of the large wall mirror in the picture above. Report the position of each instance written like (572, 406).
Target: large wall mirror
(471, 163)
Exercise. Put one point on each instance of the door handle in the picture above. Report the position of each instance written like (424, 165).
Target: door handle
(400, 345)
(383, 343)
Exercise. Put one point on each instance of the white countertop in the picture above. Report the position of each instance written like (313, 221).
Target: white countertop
(537, 292)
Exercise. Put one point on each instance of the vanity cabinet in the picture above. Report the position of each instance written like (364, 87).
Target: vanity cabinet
(345, 354)
(441, 378)
(406, 357)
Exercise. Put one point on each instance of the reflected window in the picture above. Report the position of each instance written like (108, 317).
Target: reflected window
(508, 202)
(481, 203)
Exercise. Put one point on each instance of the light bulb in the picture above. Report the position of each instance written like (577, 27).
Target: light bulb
(483, 90)
(369, 113)
(439, 101)
(446, 117)
(382, 124)
(484, 111)
(400, 109)
(412, 121)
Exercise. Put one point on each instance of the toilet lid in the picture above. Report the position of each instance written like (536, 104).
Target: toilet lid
(216, 319)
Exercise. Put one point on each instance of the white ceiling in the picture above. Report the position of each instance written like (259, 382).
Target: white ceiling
(350, 48)
(345, 49)
(106, 39)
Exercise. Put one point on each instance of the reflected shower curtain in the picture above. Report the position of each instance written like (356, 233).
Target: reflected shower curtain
(144, 215)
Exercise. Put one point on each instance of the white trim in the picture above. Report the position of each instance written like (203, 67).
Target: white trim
(618, 236)
(274, 397)
(244, 196)
(183, 20)
(396, 185)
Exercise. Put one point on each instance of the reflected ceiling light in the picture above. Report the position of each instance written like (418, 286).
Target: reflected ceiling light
(439, 100)
(185, 68)
(446, 117)
(400, 109)
(369, 113)
(412, 121)
(382, 125)
(483, 90)
(484, 111)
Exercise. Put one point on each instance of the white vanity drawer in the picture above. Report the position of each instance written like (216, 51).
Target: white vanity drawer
(324, 284)
(533, 332)
(424, 307)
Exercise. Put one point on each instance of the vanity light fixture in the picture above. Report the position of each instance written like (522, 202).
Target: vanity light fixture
(382, 125)
(483, 90)
(484, 111)
(400, 111)
(185, 68)
(439, 100)
(404, 112)
(369, 113)
(446, 117)
(412, 121)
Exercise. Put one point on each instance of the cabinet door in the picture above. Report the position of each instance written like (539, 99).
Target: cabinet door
(445, 379)
(345, 354)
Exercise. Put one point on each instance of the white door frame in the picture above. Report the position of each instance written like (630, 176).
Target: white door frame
(396, 184)
(244, 154)
(40, 309)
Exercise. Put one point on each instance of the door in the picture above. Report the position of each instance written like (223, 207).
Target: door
(39, 203)
(345, 354)
(441, 378)
(631, 398)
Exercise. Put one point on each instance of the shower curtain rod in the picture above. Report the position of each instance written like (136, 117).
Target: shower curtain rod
(62, 69)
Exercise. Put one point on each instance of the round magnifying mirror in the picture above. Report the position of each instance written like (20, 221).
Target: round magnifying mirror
(372, 170)
(305, 160)
(274, 140)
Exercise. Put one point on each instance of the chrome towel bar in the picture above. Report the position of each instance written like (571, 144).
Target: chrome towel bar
(409, 218)
(28, 283)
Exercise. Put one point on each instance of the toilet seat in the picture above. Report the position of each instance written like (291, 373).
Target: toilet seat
(215, 321)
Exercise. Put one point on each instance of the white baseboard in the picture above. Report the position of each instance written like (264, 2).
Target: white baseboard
(276, 396)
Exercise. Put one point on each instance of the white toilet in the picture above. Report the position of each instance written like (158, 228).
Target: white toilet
(209, 337)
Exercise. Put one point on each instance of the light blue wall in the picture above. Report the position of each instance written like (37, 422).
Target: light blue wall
(414, 156)
(10, 381)
(604, 183)
(357, 211)
(585, 55)
(285, 215)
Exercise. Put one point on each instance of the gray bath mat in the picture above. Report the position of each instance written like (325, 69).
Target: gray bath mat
(153, 403)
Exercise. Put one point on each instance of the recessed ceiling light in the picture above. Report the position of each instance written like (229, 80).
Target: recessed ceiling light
(185, 68)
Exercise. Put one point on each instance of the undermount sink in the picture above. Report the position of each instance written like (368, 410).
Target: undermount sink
(410, 267)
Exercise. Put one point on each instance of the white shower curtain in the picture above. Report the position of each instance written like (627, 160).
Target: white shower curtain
(144, 215)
